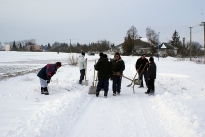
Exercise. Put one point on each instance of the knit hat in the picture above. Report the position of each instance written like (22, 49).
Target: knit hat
(143, 54)
(104, 56)
(100, 54)
(83, 53)
(58, 64)
(151, 59)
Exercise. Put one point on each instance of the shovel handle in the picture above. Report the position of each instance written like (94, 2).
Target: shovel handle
(136, 74)
(94, 74)
(143, 70)
(123, 76)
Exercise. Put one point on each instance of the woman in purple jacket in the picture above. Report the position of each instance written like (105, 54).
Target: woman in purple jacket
(45, 75)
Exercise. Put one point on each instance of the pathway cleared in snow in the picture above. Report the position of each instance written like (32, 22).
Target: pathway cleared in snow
(127, 114)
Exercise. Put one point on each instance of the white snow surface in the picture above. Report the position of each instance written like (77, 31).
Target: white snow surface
(177, 109)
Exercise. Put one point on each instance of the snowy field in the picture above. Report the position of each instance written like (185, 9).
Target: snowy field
(177, 109)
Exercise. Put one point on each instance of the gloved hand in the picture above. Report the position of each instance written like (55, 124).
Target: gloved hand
(49, 79)
(118, 73)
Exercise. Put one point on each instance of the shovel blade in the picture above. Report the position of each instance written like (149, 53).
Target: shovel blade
(92, 90)
(129, 85)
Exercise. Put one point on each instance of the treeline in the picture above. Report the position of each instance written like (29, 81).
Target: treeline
(100, 46)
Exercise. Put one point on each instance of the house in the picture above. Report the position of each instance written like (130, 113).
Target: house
(33, 48)
(7, 47)
(142, 46)
(36, 48)
(166, 49)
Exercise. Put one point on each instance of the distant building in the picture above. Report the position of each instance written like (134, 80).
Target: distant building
(140, 46)
(166, 49)
(33, 48)
(7, 47)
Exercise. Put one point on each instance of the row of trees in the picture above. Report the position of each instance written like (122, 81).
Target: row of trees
(102, 45)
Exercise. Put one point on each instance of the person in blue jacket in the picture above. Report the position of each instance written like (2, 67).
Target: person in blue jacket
(45, 75)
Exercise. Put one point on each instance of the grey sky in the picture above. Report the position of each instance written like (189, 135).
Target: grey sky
(87, 21)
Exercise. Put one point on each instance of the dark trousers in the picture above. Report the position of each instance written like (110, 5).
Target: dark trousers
(116, 85)
(144, 73)
(102, 84)
(82, 75)
(151, 85)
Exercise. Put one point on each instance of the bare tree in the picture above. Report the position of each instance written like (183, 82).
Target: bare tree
(152, 36)
(132, 33)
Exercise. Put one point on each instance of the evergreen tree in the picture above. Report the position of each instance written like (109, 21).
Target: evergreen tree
(49, 46)
(20, 46)
(14, 46)
(127, 45)
(176, 39)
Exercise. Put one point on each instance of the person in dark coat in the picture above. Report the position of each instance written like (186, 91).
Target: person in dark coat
(104, 72)
(101, 56)
(45, 75)
(118, 66)
(142, 63)
(151, 76)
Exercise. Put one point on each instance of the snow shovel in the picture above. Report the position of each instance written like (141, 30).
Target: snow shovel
(138, 81)
(125, 77)
(134, 77)
(135, 81)
(92, 89)
(86, 81)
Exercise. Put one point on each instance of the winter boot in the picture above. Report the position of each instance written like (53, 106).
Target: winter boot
(42, 90)
(147, 92)
(151, 92)
(46, 91)
(105, 94)
(97, 93)
(114, 93)
(118, 93)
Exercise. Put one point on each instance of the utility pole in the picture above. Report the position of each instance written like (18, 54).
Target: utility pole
(70, 46)
(158, 46)
(190, 43)
(203, 24)
(183, 41)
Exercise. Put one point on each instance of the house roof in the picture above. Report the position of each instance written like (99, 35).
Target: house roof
(166, 46)
(139, 44)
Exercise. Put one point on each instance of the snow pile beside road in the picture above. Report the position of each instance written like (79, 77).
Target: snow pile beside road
(54, 117)
(180, 106)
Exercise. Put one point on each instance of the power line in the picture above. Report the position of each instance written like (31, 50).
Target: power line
(198, 31)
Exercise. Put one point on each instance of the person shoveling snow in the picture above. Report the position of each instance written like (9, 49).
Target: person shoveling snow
(45, 75)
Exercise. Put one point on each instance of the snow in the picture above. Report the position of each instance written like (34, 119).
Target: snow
(177, 109)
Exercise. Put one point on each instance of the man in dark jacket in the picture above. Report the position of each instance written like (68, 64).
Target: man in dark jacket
(104, 71)
(142, 63)
(118, 66)
(151, 76)
(45, 75)
(101, 56)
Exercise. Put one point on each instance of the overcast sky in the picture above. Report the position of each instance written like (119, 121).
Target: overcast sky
(87, 21)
